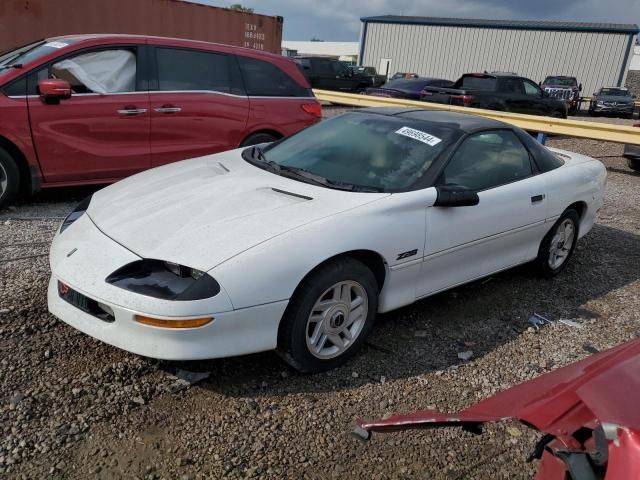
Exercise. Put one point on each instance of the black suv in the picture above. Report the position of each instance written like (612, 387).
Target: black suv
(331, 74)
(497, 91)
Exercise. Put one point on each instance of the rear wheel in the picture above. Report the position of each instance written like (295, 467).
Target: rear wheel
(258, 138)
(329, 316)
(557, 246)
(633, 164)
(9, 178)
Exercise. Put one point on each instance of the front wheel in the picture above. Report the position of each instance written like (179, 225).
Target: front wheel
(633, 164)
(329, 316)
(557, 246)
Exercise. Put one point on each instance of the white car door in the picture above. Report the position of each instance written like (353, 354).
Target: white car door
(503, 230)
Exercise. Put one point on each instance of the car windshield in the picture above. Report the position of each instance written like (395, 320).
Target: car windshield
(28, 53)
(617, 92)
(362, 152)
(563, 82)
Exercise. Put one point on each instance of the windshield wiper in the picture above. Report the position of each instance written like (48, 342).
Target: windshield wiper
(326, 182)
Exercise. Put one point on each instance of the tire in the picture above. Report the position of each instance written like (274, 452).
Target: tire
(9, 179)
(299, 333)
(258, 138)
(558, 114)
(548, 263)
(633, 164)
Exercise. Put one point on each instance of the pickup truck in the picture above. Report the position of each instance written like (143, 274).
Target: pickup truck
(369, 75)
(495, 91)
(331, 74)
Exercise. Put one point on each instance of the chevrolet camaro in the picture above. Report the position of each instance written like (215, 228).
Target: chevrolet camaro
(296, 245)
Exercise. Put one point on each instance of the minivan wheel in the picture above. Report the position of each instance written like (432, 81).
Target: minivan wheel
(329, 316)
(558, 244)
(258, 138)
(9, 178)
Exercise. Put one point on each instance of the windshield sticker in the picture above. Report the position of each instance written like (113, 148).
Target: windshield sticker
(419, 135)
(56, 44)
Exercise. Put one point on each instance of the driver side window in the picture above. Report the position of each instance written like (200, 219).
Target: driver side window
(486, 160)
(102, 71)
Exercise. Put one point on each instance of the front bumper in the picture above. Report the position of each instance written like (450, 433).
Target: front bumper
(237, 332)
(82, 257)
(618, 109)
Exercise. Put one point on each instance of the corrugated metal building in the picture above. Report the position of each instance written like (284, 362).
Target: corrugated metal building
(596, 53)
(24, 21)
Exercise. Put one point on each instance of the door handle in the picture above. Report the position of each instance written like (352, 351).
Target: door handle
(537, 198)
(168, 109)
(130, 112)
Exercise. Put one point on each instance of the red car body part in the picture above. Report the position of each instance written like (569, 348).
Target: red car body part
(58, 137)
(589, 411)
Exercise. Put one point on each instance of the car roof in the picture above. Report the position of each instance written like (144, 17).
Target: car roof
(125, 37)
(460, 121)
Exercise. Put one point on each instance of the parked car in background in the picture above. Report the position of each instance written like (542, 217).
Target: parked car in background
(503, 92)
(331, 74)
(310, 237)
(409, 88)
(397, 75)
(615, 101)
(96, 108)
(370, 74)
(564, 88)
(632, 154)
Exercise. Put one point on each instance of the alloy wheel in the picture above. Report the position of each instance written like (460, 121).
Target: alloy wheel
(336, 319)
(561, 244)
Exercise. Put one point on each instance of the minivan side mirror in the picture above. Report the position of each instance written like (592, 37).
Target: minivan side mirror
(52, 90)
(455, 196)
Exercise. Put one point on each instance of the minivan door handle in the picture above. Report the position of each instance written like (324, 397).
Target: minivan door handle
(131, 111)
(168, 109)
(537, 198)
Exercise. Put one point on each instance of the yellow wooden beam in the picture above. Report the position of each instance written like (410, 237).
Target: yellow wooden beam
(573, 128)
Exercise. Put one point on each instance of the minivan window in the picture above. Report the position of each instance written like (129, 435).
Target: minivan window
(264, 79)
(101, 71)
(180, 69)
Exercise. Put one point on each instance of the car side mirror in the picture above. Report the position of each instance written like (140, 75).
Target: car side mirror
(455, 196)
(539, 84)
(580, 87)
(52, 90)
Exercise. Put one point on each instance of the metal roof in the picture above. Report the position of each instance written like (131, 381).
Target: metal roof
(507, 24)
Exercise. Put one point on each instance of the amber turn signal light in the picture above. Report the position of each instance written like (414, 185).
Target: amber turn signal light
(186, 323)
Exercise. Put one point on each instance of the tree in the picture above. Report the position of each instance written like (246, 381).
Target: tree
(239, 8)
(316, 39)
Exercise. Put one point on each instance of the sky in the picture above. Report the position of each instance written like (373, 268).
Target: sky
(339, 20)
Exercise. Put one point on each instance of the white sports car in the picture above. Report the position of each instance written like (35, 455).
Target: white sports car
(296, 245)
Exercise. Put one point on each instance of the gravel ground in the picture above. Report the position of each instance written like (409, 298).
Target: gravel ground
(72, 407)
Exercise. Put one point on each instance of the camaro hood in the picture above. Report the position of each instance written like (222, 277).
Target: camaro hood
(204, 211)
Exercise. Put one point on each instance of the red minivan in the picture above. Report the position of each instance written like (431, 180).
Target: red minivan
(89, 109)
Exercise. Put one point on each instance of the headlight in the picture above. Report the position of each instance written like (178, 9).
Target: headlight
(164, 280)
(75, 214)
(599, 102)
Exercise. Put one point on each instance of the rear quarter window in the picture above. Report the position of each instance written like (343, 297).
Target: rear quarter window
(477, 83)
(545, 159)
(264, 79)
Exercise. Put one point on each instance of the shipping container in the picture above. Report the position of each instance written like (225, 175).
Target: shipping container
(23, 21)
